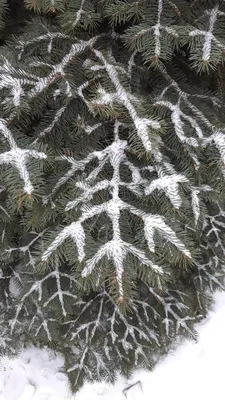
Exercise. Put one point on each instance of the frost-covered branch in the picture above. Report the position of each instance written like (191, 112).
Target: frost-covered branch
(173, 304)
(79, 14)
(10, 81)
(39, 321)
(218, 139)
(34, 293)
(195, 200)
(59, 69)
(158, 30)
(205, 131)
(6, 345)
(142, 125)
(208, 35)
(116, 249)
(214, 224)
(16, 85)
(169, 183)
(120, 333)
(85, 333)
(210, 269)
(18, 157)
(49, 36)
(27, 249)
(187, 99)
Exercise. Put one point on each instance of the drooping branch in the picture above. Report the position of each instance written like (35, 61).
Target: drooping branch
(116, 249)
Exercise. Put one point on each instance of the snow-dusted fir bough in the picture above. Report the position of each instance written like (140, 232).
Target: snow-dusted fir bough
(112, 158)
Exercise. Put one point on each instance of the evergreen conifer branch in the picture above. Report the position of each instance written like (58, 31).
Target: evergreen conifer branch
(6, 345)
(18, 157)
(134, 332)
(45, 6)
(34, 295)
(156, 37)
(116, 249)
(211, 49)
(127, 208)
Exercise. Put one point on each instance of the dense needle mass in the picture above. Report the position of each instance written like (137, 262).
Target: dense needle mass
(112, 158)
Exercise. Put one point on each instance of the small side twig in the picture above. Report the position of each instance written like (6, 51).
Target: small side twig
(129, 387)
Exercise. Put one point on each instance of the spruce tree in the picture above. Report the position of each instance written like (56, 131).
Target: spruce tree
(112, 158)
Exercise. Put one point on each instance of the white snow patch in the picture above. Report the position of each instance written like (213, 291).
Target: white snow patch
(193, 371)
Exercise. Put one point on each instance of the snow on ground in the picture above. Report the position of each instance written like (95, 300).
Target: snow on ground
(193, 371)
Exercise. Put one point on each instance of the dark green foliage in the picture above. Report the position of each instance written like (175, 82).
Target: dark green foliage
(3, 9)
(112, 158)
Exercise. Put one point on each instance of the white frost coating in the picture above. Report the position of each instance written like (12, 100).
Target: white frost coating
(219, 139)
(79, 14)
(26, 249)
(89, 192)
(37, 287)
(179, 127)
(154, 223)
(132, 334)
(195, 200)
(141, 124)
(56, 118)
(104, 97)
(60, 293)
(131, 63)
(195, 204)
(172, 308)
(156, 29)
(209, 36)
(170, 185)
(7, 81)
(68, 89)
(7, 134)
(176, 116)
(88, 128)
(75, 166)
(214, 226)
(185, 98)
(74, 231)
(116, 249)
(56, 93)
(189, 359)
(50, 35)
(44, 323)
(199, 121)
(59, 68)
(18, 157)
(50, 46)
